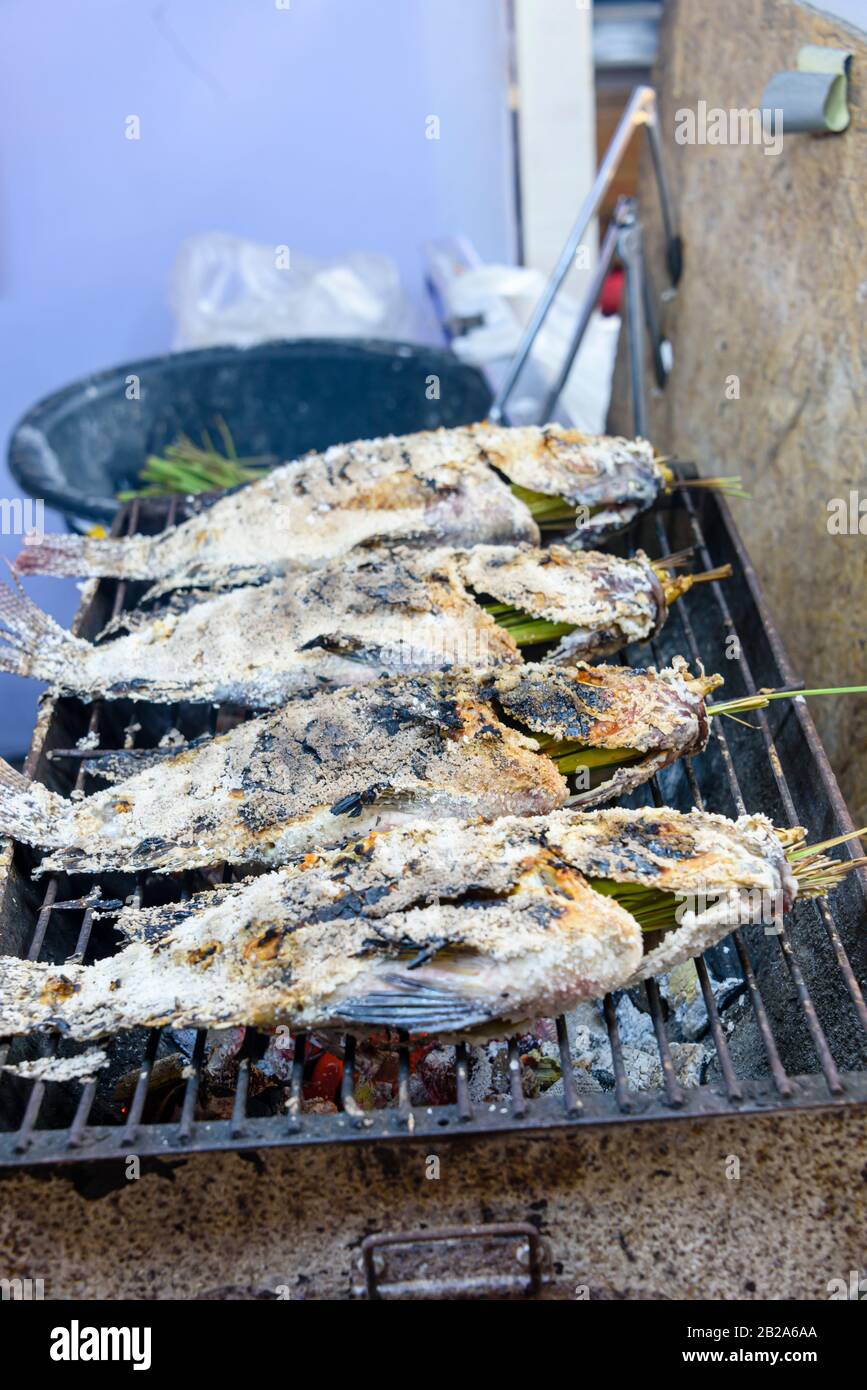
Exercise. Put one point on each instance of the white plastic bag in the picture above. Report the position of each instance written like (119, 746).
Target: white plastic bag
(225, 289)
(502, 298)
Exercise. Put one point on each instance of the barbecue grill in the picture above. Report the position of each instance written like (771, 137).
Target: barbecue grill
(794, 1041)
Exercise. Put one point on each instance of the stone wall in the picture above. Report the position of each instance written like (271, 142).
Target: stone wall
(774, 293)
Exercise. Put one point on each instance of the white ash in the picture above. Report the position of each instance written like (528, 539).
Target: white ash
(88, 740)
(635, 1028)
(688, 1020)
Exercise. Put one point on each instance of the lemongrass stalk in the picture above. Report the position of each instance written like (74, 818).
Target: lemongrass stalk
(729, 485)
(815, 873)
(675, 588)
(764, 697)
(186, 467)
(540, 630)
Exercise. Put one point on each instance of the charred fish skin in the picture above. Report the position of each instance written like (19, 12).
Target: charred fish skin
(660, 715)
(312, 774)
(346, 623)
(437, 487)
(316, 771)
(353, 940)
(433, 928)
(711, 863)
(432, 488)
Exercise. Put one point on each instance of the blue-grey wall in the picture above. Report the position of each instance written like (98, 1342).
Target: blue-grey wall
(302, 125)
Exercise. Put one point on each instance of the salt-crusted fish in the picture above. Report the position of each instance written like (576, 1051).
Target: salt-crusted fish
(280, 785)
(305, 777)
(432, 928)
(417, 929)
(447, 486)
(622, 724)
(367, 613)
(330, 765)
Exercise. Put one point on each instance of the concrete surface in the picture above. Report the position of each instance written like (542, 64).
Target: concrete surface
(774, 293)
(629, 1212)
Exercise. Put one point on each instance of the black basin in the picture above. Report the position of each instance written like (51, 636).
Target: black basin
(80, 446)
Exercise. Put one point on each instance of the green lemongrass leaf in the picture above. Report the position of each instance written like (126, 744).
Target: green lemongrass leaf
(186, 467)
(540, 630)
(652, 908)
(764, 697)
(594, 757)
(525, 629)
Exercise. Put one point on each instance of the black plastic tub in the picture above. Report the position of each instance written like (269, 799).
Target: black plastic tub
(79, 447)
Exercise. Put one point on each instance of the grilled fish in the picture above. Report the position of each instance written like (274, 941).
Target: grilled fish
(345, 624)
(335, 764)
(430, 928)
(438, 487)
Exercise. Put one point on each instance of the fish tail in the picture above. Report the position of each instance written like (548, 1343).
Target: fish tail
(90, 556)
(28, 811)
(32, 643)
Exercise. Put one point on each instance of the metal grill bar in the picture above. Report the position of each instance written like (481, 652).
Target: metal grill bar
(35, 1139)
(820, 905)
(820, 1042)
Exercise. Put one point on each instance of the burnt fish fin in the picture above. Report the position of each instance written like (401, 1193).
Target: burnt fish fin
(411, 1006)
(90, 556)
(117, 765)
(33, 644)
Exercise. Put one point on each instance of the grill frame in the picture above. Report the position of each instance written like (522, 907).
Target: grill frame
(739, 612)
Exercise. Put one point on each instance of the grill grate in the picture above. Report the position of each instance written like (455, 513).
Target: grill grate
(799, 1042)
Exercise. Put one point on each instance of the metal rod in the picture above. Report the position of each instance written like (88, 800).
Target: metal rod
(629, 246)
(639, 111)
(588, 304)
(673, 243)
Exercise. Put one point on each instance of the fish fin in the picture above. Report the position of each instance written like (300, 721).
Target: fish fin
(28, 811)
(118, 764)
(411, 1005)
(32, 643)
(207, 581)
(623, 780)
(85, 555)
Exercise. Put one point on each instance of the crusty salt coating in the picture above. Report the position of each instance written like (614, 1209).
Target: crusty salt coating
(344, 624)
(353, 941)
(658, 714)
(432, 928)
(612, 601)
(305, 777)
(437, 487)
(311, 774)
(612, 479)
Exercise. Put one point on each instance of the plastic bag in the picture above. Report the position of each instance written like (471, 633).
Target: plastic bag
(501, 298)
(225, 289)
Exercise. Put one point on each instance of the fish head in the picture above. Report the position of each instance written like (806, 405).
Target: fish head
(588, 470)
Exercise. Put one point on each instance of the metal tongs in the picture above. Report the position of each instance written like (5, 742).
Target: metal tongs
(624, 239)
